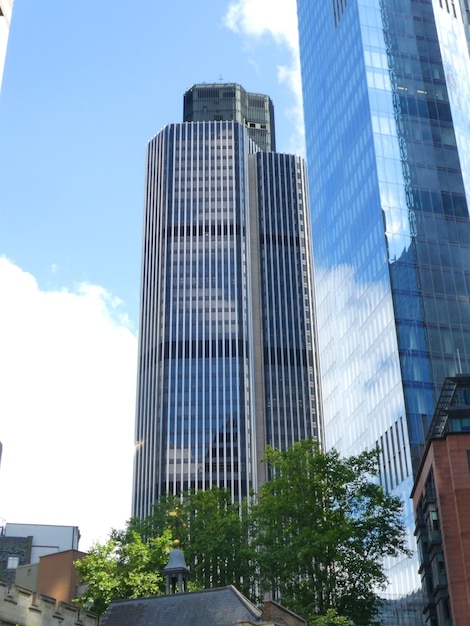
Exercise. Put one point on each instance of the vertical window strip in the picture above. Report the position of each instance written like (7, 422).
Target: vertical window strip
(405, 457)
(394, 455)
(384, 460)
(339, 7)
(399, 451)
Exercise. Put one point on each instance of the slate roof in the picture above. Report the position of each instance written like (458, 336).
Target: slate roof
(224, 606)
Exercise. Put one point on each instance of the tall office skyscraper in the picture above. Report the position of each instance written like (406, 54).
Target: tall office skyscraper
(227, 346)
(5, 18)
(216, 102)
(387, 115)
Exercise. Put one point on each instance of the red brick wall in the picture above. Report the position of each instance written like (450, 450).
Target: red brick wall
(448, 458)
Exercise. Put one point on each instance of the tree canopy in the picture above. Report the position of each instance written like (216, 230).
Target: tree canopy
(214, 533)
(314, 538)
(126, 566)
(331, 618)
(323, 528)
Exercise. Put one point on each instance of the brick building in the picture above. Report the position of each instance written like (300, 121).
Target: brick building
(441, 501)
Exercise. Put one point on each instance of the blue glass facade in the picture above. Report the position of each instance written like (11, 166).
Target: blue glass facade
(387, 120)
(227, 347)
(289, 349)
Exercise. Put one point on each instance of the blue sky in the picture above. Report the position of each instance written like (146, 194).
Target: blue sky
(82, 93)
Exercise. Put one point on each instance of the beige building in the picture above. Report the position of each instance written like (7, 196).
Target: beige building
(5, 18)
(54, 575)
(21, 607)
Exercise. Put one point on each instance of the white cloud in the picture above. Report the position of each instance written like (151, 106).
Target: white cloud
(259, 17)
(67, 380)
(255, 19)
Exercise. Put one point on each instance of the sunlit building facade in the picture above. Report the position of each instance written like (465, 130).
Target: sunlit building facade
(5, 19)
(387, 114)
(227, 344)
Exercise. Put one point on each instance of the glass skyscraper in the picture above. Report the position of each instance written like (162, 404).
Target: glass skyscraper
(227, 358)
(208, 102)
(387, 115)
(6, 7)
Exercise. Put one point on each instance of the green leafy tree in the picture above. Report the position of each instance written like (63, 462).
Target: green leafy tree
(98, 571)
(167, 514)
(331, 618)
(316, 539)
(324, 526)
(218, 548)
(214, 535)
(126, 566)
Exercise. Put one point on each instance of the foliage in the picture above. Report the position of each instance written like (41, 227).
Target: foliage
(331, 618)
(167, 514)
(218, 548)
(125, 566)
(214, 533)
(324, 526)
(315, 539)
(211, 530)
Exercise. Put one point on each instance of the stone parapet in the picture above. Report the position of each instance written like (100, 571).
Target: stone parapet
(21, 607)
